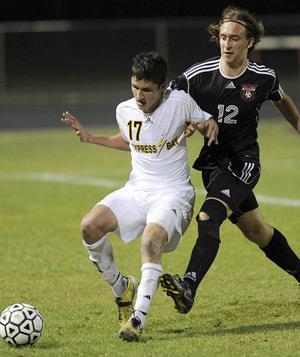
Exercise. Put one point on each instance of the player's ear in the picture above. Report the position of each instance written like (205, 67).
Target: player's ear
(250, 42)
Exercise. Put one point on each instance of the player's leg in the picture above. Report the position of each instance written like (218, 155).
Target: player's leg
(153, 240)
(225, 194)
(116, 212)
(272, 242)
(94, 226)
(167, 219)
(212, 213)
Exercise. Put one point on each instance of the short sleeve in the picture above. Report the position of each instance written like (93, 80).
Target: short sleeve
(196, 113)
(276, 92)
(121, 123)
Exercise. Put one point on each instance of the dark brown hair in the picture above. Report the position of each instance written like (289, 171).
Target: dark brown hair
(150, 66)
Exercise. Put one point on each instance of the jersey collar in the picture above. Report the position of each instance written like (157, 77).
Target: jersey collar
(234, 77)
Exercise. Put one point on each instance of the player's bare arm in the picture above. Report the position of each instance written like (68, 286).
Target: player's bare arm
(288, 109)
(113, 141)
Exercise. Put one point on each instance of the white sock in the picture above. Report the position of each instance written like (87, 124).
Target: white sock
(101, 254)
(147, 289)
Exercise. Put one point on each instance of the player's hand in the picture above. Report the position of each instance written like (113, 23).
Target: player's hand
(189, 130)
(69, 119)
(210, 130)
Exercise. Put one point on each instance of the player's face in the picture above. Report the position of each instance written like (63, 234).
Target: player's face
(234, 43)
(147, 94)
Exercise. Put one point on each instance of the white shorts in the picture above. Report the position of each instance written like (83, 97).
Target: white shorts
(172, 209)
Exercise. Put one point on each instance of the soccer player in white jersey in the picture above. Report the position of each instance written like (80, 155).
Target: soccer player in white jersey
(157, 201)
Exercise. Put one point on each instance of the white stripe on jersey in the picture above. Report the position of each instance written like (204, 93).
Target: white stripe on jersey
(260, 69)
(199, 68)
(210, 62)
(214, 64)
(202, 67)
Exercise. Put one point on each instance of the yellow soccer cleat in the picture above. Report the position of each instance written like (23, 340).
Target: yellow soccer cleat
(132, 330)
(125, 302)
(179, 291)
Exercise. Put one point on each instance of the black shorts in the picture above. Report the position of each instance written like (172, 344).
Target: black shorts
(233, 185)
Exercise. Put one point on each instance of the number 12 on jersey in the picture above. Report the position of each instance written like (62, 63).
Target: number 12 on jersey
(227, 114)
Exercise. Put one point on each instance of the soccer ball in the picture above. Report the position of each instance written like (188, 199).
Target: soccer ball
(21, 325)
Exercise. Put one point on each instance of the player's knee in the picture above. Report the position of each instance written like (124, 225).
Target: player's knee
(211, 216)
(213, 210)
(150, 248)
(152, 244)
(85, 225)
(91, 229)
(203, 216)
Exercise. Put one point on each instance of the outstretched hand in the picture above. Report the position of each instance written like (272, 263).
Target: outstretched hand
(69, 119)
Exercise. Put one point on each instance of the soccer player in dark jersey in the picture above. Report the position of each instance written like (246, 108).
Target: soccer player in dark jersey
(232, 88)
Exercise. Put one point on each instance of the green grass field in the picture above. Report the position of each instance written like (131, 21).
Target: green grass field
(246, 306)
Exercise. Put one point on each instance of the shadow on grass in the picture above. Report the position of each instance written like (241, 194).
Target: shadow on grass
(47, 346)
(214, 325)
(239, 330)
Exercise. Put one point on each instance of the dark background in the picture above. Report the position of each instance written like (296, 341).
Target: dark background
(69, 55)
(59, 9)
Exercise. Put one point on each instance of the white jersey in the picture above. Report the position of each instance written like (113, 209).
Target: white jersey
(157, 142)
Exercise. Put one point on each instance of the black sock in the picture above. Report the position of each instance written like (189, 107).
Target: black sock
(279, 251)
(203, 255)
(207, 244)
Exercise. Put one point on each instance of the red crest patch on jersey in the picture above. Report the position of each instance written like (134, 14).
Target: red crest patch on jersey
(248, 92)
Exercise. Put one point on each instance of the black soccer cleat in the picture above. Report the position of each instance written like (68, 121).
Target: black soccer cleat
(179, 291)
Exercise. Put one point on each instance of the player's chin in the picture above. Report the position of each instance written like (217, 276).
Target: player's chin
(140, 105)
